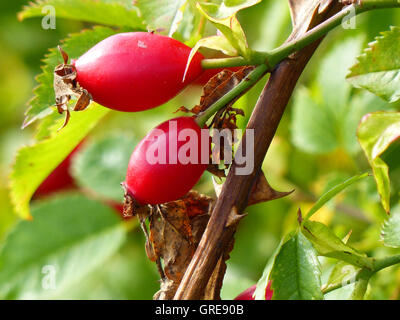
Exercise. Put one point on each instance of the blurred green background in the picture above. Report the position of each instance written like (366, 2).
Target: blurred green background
(315, 148)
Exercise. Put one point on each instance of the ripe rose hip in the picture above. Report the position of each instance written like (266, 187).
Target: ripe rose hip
(248, 293)
(60, 179)
(136, 71)
(166, 164)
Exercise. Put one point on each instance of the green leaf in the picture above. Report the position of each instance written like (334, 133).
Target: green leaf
(325, 115)
(259, 293)
(332, 74)
(296, 271)
(34, 163)
(376, 133)
(344, 275)
(378, 68)
(313, 126)
(223, 16)
(68, 237)
(329, 245)
(113, 13)
(224, 9)
(331, 193)
(101, 167)
(75, 45)
(391, 229)
(177, 18)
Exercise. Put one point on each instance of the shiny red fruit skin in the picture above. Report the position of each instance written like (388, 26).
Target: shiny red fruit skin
(159, 183)
(136, 71)
(60, 179)
(248, 293)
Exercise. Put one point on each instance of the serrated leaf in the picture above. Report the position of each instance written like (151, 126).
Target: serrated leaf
(376, 133)
(101, 167)
(120, 13)
(391, 229)
(34, 163)
(331, 193)
(68, 237)
(75, 45)
(296, 271)
(378, 68)
(329, 245)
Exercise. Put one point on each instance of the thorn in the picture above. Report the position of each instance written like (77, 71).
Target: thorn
(63, 54)
(299, 217)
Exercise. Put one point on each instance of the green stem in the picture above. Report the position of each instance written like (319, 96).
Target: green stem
(245, 84)
(380, 264)
(273, 57)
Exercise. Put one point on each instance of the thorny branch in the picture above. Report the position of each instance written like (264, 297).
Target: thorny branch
(234, 196)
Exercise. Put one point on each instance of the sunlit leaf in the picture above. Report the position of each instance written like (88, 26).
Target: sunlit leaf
(376, 133)
(34, 163)
(329, 245)
(114, 13)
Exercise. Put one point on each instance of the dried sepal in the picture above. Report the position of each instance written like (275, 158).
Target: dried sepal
(66, 86)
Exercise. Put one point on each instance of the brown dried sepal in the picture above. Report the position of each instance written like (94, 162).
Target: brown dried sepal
(66, 86)
(175, 230)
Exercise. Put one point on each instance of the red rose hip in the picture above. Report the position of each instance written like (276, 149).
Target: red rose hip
(136, 71)
(248, 294)
(168, 162)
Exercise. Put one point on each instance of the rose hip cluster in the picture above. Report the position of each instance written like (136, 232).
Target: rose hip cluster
(137, 71)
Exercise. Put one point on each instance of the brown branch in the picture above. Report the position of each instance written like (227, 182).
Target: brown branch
(235, 192)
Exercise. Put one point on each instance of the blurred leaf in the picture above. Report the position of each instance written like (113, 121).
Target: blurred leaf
(326, 116)
(34, 163)
(391, 229)
(102, 165)
(377, 131)
(267, 24)
(296, 271)
(112, 13)
(335, 91)
(333, 192)
(69, 237)
(378, 68)
(329, 245)
(125, 275)
(313, 126)
(75, 45)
